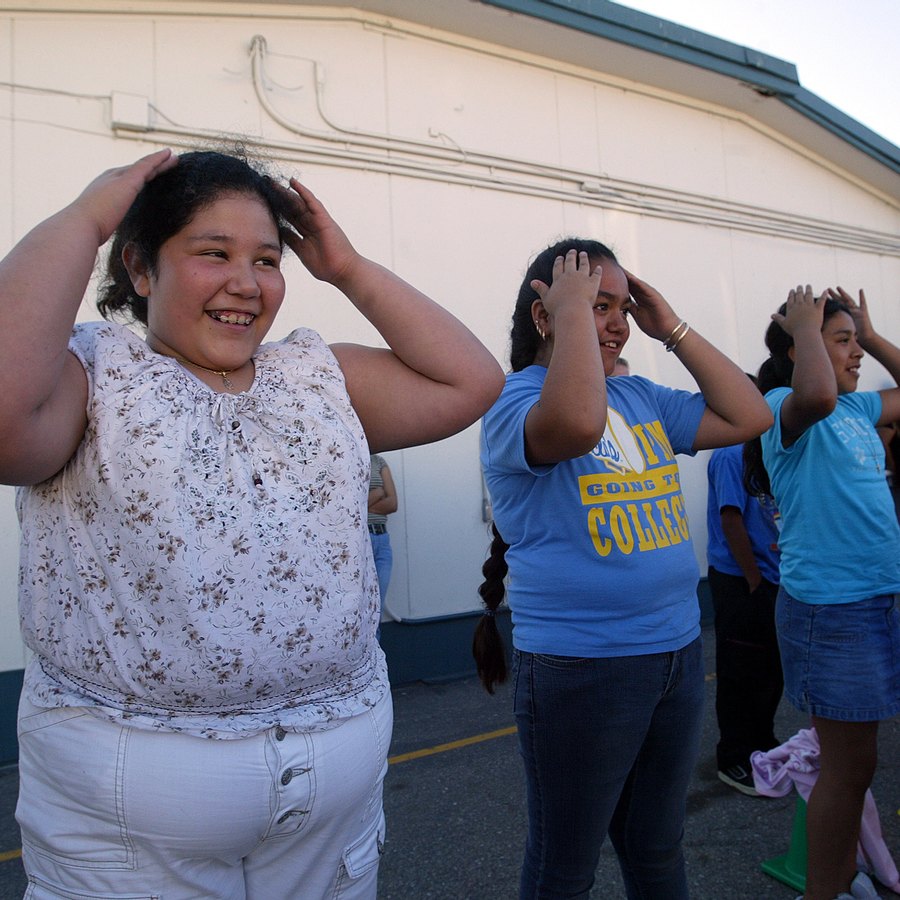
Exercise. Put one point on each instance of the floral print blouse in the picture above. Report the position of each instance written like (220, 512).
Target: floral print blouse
(202, 563)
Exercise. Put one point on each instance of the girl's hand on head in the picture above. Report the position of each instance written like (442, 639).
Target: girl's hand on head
(573, 283)
(108, 197)
(803, 309)
(858, 311)
(317, 239)
(651, 311)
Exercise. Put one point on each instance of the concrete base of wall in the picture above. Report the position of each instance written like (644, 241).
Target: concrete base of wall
(440, 649)
(10, 688)
(430, 650)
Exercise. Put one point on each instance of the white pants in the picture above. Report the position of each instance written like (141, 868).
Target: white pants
(114, 812)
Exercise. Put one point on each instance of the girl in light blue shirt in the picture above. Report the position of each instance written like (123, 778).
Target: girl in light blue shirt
(837, 615)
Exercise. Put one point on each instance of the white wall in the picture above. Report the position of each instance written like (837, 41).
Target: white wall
(459, 161)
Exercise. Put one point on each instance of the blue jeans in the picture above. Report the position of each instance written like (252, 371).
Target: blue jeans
(384, 560)
(841, 660)
(609, 746)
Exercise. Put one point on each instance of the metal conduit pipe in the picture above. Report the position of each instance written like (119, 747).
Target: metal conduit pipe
(673, 204)
(642, 202)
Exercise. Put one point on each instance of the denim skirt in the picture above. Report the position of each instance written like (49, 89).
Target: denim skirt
(841, 661)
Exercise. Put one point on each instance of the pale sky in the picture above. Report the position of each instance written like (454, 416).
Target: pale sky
(846, 51)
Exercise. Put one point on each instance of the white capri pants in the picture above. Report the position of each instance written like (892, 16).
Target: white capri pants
(119, 813)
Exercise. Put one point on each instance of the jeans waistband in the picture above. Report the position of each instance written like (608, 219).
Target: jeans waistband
(378, 528)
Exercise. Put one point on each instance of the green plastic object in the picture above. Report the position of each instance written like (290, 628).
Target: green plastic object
(790, 868)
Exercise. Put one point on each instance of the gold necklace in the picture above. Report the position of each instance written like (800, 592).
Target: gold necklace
(222, 373)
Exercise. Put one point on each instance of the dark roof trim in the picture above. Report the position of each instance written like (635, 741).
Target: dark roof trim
(767, 74)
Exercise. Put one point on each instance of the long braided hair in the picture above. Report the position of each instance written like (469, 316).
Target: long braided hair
(487, 644)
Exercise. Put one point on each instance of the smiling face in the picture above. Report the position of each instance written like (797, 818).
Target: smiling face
(216, 286)
(612, 311)
(839, 335)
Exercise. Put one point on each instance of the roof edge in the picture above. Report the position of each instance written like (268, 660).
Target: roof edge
(767, 74)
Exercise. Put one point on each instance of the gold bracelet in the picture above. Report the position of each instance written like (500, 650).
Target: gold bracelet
(674, 342)
(666, 340)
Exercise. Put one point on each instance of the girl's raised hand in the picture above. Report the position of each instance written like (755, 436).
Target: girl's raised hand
(573, 282)
(858, 311)
(108, 197)
(802, 308)
(317, 239)
(651, 311)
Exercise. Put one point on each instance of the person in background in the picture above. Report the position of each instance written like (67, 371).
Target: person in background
(206, 711)
(590, 526)
(837, 614)
(890, 437)
(382, 502)
(622, 367)
(742, 552)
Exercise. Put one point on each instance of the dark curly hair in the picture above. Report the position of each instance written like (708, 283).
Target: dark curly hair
(167, 204)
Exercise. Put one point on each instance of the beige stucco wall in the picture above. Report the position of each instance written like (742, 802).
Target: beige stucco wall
(451, 162)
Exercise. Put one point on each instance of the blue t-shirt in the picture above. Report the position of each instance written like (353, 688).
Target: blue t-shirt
(600, 557)
(726, 488)
(840, 541)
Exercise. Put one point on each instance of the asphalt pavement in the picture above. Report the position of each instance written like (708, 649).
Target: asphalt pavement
(454, 801)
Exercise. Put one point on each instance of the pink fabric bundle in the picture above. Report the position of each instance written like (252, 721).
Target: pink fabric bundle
(795, 763)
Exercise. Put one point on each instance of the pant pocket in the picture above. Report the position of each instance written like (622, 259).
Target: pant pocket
(32, 719)
(70, 798)
(360, 861)
(38, 889)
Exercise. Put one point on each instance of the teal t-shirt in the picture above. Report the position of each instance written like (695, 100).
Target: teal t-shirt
(600, 559)
(840, 541)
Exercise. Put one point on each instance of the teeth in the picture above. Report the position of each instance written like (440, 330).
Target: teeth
(233, 318)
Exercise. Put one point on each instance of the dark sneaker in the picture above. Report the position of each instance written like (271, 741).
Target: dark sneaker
(740, 779)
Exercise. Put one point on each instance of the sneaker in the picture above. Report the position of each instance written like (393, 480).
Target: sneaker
(862, 888)
(740, 779)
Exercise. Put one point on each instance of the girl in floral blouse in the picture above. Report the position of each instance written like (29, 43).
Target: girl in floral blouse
(206, 711)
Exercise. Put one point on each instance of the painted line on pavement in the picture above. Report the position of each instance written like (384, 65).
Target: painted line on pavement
(465, 742)
(452, 745)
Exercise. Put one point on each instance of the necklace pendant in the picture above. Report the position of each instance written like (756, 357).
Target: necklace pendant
(227, 382)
